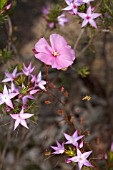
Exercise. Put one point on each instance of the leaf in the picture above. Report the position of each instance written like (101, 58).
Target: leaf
(2, 3)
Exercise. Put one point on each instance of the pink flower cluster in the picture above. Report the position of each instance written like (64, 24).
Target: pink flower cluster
(87, 17)
(75, 146)
(61, 19)
(20, 92)
(22, 86)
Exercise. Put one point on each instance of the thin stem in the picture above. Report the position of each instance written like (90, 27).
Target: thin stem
(78, 39)
(51, 94)
(47, 69)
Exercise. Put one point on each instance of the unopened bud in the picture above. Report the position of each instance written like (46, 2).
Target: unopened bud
(20, 96)
(7, 109)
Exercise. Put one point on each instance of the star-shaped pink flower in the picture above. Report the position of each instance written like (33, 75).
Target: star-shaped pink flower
(73, 139)
(20, 119)
(81, 158)
(39, 82)
(13, 89)
(28, 70)
(6, 97)
(62, 19)
(11, 76)
(59, 55)
(59, 149)
(72, 6)
(89, 17)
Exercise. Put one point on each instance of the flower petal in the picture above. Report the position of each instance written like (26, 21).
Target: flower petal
(67, 8)
(84, 23)
(92, 22)
(57, 42)
(80, 164)
(89, 10)
(95, 15)
(23, 123)
(68, 137)
(14, 72)
(46, 58)
(26, 115)
(60, 63)
(86, 154)
(14, 116)
(9, 103)
(87, 163)
(42, 46)
(5, 91)
(17, 122)
(82, 15)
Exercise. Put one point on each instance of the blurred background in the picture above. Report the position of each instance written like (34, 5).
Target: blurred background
(90, 75)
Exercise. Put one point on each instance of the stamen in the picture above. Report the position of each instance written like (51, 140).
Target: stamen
(55, 53)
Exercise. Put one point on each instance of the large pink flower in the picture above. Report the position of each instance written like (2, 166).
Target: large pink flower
(59, 55)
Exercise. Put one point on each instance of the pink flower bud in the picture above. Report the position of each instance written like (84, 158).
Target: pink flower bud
(33, 79)
(67, 161)
(7, 109)
(24, 107)
(20, 96)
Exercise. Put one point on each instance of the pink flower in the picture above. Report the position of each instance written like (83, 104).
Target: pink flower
(73, 139)
(59, 149)
(13, 89)
(81, 159)
(51, 25)
(20, 119)
(59, 55)
(62, 20)
(72, 6)
(11, 76)
(46, 10)
(6, 97)
(111, 147)
(27, 70)
(89, 17)
(8, 6)
(39, 82)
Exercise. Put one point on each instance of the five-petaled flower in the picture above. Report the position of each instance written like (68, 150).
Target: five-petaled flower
(20, 118)
(72, 6)
(89, 17)
(73, 139)
(27, 70)
(11, 76)
(59, 149)
(62, 19)
(59, 55)
(6, 97)
(81, 158)
(39, 82)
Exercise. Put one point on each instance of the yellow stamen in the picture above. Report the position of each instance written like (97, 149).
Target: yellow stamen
(55, 53)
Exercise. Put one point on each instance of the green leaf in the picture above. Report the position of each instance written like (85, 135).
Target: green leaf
(2, 3)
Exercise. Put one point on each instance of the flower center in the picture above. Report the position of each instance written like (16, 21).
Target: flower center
(88, 17)
(74, 6)
(80, 159)
(55, 53)
(5, 98)
(19, 116)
